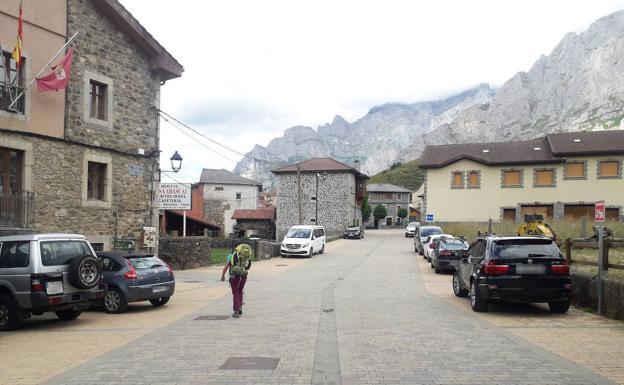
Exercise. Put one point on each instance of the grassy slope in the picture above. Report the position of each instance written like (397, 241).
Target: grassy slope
(407, 175)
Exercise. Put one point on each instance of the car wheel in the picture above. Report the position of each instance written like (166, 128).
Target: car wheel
(436, 269)
(311, 253)
(477, 303)
(322, 249)
(559, 306)
(9, 319)
(114, 301)
(84, 272)
(457, 287)
(159, 301)
(68, 315)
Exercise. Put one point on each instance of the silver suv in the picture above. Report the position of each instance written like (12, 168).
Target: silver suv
(46, 272)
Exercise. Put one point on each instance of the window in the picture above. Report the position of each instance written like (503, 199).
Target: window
(612, 213)
(239, 195)
(509, 215)
(11, 84)
(512, 178)
(574, 170)
(608, 169)
(57, 253)
(218, 188)
(544, 178)
(474, 179)
(457, 179)
(98, 100)
(14, 254)
(96, 181)
(11, 162)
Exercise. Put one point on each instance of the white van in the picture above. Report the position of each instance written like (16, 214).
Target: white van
(303, 240)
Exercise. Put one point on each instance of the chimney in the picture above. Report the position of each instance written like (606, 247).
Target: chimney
(356, 165)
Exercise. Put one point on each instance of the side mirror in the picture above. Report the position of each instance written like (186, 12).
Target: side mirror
(313, 237)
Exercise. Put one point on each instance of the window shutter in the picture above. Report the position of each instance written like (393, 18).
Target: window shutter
(544, 178)
(511, 178)
(473, 179)
(609, 168)
(575, 170)
(458, 179)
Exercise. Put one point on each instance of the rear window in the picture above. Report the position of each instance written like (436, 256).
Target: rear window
(525, 248)
(453, 245)
(54, 253)
(426, 232)
(145, 262)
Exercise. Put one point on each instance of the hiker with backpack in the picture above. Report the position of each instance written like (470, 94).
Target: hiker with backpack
(238, 265)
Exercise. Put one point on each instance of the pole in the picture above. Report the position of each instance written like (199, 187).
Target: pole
(184, 224)
(316, 200)
(43, 69)
(600, 266)
(299, 203)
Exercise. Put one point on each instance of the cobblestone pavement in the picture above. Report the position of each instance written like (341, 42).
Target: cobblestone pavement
(365, 312)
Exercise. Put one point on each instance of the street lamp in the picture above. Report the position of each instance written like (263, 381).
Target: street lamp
(176, 162)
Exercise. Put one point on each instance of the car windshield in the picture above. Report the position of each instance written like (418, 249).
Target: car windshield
(411, 226)
(146, 262)
(525, 248)
(299, 233)
(353, 228)
(54, 253)
(428, 231)
(455, 245)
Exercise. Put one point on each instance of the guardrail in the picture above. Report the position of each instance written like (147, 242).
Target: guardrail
(571, 243)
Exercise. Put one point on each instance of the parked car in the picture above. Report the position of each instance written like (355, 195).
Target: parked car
(447, 254)
(135, 278)
(410, 229)
(514, 269)
(356, 232)
(42, 273)
(431, 242)
(254, 237)
(303, 240)
(421, 235)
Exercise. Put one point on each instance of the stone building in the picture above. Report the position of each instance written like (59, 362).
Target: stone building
(393, 198)
(319, 191)
(225, 192)
(260, 221)
(85, 159)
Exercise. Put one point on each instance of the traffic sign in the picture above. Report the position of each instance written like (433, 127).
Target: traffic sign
(429, 218)
(599, 211)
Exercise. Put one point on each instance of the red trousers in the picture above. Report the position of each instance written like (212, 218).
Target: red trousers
(237, 283)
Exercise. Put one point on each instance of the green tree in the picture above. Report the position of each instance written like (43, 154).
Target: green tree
(366, 210)
(402, 213)
(380, 212)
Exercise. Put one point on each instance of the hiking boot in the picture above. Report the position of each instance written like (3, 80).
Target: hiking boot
(240, 312)
(235, 315)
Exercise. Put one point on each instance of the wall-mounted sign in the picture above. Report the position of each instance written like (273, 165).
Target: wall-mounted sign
(150, 236)
(429, 218)
(175, 196)
(135, 170)
(600, 211)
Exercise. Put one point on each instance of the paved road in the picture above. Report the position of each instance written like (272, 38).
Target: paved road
(365, 312)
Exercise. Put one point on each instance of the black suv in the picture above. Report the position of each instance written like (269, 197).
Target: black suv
(513, 269)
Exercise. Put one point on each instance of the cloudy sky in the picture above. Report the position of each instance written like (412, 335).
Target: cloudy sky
(254, 68)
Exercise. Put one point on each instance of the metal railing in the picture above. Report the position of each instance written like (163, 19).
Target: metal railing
(17, 210)
(8, 93)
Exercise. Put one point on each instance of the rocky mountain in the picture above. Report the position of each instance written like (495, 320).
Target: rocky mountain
(579, 86)
(376, 139)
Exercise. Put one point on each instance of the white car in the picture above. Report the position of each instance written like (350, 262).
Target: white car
(304, 241)
(429, 241)
(410, 229)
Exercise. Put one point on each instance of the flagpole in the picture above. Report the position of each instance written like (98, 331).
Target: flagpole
(43, 69)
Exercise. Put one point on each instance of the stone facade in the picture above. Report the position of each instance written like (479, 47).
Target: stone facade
(55, 168)
(220, 201)
(393, 202)
(265, 228)
(332, 206)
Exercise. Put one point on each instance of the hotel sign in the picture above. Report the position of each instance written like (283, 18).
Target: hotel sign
(175, 196)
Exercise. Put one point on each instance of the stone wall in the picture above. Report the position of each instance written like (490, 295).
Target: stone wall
(264, 228)
(102, 49)
(213, 212)
(585, 294)
(335, 202)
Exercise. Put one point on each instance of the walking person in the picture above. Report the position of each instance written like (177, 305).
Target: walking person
(238, 265)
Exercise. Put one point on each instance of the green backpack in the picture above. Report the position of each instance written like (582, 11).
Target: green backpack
(241, 260)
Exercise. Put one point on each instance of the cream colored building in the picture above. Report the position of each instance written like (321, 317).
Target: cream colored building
(559, 176)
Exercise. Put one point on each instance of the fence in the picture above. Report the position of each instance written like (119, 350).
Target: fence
(570, 243)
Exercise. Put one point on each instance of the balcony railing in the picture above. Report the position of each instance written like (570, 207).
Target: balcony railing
(8, 93)
(17, 210)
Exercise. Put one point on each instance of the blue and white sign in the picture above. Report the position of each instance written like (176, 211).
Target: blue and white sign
(429, 218)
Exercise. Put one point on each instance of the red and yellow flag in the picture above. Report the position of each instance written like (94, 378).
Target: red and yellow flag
(17, 52)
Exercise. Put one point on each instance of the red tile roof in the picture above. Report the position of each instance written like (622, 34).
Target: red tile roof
(263, 213)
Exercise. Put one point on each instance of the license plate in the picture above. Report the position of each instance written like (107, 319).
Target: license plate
(159, 289)
(530, 269)
(54, 287)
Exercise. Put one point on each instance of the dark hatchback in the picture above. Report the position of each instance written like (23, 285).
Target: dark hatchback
(514, 269)
(135, 278)
(447, 254)
(354, 232)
